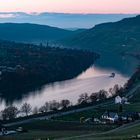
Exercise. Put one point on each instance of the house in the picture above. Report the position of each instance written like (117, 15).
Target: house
(118, 100)
(110, 116)
(121, 100)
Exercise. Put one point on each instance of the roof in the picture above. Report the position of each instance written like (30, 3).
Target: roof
(110, 114)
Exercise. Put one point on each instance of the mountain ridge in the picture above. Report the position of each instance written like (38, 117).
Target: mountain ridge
(112, 40)
(62, 20)
(31, 32)
(106, 31)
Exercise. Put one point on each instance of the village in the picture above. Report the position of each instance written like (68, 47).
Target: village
(118, 116)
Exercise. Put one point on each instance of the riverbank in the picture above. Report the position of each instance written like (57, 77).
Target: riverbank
(27, 67)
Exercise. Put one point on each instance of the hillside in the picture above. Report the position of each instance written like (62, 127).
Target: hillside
(62, 20)
(117, 40)
(125, 132)
(109, 37)
(26, 67)
(26, 32)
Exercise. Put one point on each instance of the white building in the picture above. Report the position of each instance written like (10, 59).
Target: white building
(118, 100)
(110, 116)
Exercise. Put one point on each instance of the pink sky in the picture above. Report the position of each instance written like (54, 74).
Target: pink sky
(71, 6)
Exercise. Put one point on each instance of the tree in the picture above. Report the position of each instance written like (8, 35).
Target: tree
(83, 98)
(102, 95)
(10, 113)
(93, 97)
(35, 110)
(65, 103)
(115, 90)
(54, 105)
(44, 108)
(26, 108)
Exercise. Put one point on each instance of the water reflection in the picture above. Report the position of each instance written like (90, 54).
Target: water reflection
(92, 80)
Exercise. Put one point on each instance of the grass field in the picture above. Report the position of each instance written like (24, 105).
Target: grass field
(122, 133)
(56, 129)
(43, 135)
(87, 114)
(134, 107)
(42, 130)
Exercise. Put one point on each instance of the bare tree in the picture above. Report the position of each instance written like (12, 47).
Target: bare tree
(93, 97)
(54, 105)
(102, 95)
(26, 108)
(115, 90)
(65, 103)
(83, 98)
(10, 113)
(35, 110)
(44, 108)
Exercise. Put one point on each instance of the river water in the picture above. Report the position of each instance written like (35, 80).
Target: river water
(92, 80)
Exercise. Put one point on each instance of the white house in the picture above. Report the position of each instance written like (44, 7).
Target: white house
(110, 116)
(118, 100)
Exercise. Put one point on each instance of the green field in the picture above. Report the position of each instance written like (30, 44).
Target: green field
(123, 133)
(134, 107)
(56, 129)
(77, 116)
(75, 131)
(43, 135)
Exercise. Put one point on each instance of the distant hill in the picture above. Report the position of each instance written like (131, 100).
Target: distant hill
(117, 39)
(62, 20)
(26, 32)
(110, 36)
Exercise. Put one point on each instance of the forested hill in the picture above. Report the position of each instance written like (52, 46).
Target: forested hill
(118, 41)
(122, 36)
(26, 67)
(25, 32)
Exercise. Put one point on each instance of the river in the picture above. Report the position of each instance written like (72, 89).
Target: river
(92, 80)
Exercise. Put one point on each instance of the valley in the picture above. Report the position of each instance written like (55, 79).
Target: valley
(61, 84)
(27, 67)
(111, 40)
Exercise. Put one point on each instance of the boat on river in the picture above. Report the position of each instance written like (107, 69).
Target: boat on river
(112, 75)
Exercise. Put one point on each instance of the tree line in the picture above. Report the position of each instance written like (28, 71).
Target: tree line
(12, 112)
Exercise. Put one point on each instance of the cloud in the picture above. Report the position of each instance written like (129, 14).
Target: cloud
(6, 15)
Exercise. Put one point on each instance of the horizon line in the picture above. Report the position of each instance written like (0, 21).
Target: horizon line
(86, 13)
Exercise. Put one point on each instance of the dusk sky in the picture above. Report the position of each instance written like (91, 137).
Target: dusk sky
(71, 6)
